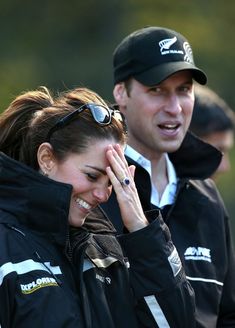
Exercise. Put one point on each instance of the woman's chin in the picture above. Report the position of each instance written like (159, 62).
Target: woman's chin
(77, 221)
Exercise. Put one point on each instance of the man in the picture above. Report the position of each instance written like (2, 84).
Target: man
(214, 121)
(154, 72)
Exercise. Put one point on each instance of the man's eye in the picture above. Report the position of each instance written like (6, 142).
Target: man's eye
(186, 88)
(155, 89)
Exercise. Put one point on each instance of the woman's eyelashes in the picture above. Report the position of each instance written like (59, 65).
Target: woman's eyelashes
(92, 176)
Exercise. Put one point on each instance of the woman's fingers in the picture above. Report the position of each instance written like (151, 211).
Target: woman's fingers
(132, 170)
(121, 177)
(119, 165)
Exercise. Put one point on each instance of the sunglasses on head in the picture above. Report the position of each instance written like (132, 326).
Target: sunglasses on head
(101, 114)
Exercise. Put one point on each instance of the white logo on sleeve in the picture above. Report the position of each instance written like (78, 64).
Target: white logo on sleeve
(198, 254)
(175, 262)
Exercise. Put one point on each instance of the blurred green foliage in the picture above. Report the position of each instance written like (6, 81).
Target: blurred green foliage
(62, 44)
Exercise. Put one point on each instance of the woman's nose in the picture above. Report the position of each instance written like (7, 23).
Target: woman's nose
(102, 194)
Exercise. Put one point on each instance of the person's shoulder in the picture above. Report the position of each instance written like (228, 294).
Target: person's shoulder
(3, 232)
(9, 243)
(205, 185)
(11, 233)
(208, 189)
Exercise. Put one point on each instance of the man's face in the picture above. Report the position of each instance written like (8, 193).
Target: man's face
(158, 117)
(224, 142)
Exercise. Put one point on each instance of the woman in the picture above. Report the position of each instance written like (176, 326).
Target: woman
(60, 262)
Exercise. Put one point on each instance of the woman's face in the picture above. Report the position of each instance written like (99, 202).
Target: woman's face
(86, 173)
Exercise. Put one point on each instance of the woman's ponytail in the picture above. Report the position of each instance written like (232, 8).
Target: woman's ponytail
(15, 121)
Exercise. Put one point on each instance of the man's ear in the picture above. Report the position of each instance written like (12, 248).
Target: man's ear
(46, 159)
(120, 95)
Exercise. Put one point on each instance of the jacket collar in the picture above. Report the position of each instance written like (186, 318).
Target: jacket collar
(195, 159)
(33, 200)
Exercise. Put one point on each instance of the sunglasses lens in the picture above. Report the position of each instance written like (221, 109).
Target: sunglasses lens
(117, 115)
(101, 114)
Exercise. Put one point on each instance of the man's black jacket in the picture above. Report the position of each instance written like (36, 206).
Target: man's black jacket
(199, 227)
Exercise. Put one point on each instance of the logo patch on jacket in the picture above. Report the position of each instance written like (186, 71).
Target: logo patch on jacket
(198, 254)
(37, 284)
(174, 261)
(103, 279)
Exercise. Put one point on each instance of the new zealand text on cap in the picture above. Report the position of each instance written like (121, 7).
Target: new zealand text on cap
(152, 54)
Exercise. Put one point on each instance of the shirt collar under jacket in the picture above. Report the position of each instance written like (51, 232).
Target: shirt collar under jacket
(170, 190)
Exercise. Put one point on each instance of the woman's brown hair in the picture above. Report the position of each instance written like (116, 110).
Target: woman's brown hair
(25, 124)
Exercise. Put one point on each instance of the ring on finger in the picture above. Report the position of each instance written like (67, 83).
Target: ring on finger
(125, 181)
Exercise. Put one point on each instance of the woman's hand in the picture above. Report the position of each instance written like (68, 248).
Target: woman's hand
(120, 174)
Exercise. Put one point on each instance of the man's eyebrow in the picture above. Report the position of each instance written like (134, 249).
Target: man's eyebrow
(97, 169)
(188, 81)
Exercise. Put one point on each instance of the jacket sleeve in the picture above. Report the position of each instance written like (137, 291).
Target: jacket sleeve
(6, 304)
(164, 298)
(226, 316)
(7, 287)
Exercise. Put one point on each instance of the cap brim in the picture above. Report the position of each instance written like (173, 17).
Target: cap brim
(157, 74)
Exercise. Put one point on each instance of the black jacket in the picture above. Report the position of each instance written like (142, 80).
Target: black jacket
(54, 276)
(200, 230)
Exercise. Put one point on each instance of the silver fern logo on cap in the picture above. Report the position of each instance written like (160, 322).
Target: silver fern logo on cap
(188, 57)
(167, 43)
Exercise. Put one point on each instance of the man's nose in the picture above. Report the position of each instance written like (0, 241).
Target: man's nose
(173, 105)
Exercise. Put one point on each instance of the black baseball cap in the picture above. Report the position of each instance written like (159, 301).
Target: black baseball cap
(152, 54)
